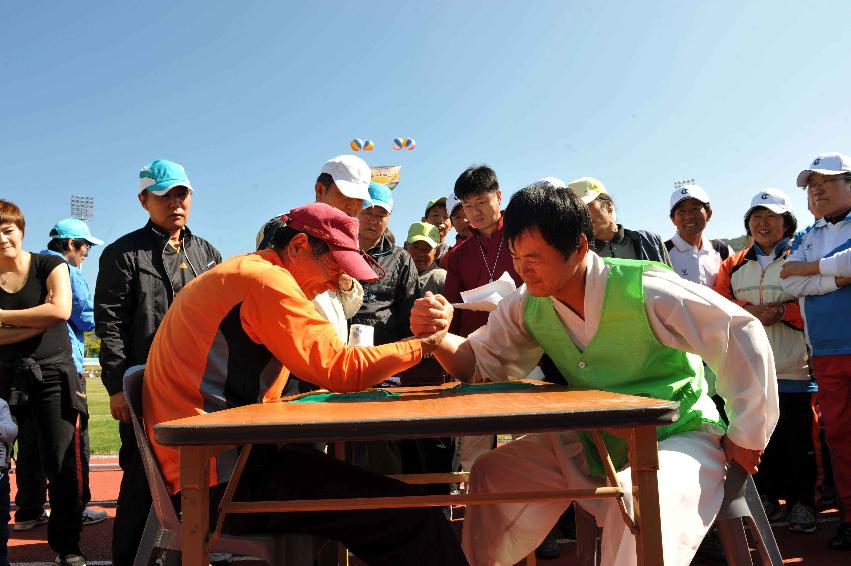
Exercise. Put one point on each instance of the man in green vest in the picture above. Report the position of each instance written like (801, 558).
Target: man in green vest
(627, 326)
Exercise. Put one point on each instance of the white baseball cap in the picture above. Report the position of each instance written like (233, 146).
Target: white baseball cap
(831, 163)
(554, 181)
(688, 191)
(351, 174)
(774, 200)
(452, 203)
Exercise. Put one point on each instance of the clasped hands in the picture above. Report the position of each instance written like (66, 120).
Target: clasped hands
(430, 318)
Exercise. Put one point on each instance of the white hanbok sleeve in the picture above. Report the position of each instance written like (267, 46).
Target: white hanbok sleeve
(503, 348)
(696, 319)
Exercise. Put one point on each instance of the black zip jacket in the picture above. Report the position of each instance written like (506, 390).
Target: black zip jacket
(133, 293)
(387, 302)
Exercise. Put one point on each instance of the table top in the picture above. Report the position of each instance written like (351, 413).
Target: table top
(417, 412)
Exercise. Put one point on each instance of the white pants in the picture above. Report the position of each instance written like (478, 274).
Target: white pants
(691, 476)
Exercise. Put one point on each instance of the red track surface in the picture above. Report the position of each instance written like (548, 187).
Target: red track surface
(31, 546)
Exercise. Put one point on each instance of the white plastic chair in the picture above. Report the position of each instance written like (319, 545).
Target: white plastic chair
(162, 529)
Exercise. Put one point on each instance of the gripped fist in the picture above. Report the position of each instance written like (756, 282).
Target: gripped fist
(119, 408)
(745, 457)
(430, 314)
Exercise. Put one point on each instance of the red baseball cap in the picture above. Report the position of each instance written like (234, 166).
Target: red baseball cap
(340, 232)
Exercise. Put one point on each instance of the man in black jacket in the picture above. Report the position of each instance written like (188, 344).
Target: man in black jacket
(387, 302)
(611, 238)
(140, 273)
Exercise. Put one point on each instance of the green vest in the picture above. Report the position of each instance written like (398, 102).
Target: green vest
(624, 356)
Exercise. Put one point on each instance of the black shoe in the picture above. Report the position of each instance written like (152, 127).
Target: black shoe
(548, 549)
(842, 539)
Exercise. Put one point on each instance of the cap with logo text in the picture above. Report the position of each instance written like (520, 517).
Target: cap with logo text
(832, 163)
(686, 192)
(774, 200)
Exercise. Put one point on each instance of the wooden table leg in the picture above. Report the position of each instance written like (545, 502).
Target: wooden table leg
(644, 461)
(195, 506)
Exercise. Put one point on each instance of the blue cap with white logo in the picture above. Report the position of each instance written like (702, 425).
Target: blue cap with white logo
(161, 175)
(75, 229)
(380, 195)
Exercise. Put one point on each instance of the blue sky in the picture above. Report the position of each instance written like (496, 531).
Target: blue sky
(252, 97)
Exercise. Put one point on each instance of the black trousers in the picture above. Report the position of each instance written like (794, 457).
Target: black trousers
(417, 536)
(31, 479)
(134, 500)
(58, 432)
(788, 468)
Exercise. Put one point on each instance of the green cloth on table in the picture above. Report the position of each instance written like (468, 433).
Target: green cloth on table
(372, 395)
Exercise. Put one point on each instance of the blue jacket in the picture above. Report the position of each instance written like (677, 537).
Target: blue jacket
(82, 317)
(826, 309)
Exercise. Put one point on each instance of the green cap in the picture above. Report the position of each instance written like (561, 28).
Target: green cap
(433, 202)
(424, 232)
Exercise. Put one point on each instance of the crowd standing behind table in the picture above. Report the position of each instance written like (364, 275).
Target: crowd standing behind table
(164, 256)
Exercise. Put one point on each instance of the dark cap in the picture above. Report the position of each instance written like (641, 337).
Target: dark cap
(340, 232)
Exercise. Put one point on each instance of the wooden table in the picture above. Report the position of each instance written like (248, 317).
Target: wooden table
(420, 412)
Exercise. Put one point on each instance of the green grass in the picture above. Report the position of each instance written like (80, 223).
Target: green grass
(103, 429)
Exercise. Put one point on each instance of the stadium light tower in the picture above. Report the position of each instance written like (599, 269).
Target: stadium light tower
(82, 207)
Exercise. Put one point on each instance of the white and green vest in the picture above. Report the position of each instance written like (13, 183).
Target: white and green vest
(624, 356)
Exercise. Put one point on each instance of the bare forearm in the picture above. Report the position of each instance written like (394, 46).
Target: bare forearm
(15, 335)
(40, 317)
(456, 356)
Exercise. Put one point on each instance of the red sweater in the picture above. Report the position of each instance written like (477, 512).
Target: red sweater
(466, 269)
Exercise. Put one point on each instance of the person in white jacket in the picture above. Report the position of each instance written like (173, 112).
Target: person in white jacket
(566, 309)
(819, 272)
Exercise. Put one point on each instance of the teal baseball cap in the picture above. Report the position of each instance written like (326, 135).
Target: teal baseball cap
(75, 229)
(161, 176)
(380, 195)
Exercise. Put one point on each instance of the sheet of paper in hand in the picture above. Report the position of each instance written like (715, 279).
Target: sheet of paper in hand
(486, 297)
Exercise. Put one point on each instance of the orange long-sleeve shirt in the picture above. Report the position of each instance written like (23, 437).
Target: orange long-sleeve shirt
(232, 337)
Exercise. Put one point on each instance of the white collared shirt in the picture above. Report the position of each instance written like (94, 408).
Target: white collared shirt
(697, 264)
(682, 315)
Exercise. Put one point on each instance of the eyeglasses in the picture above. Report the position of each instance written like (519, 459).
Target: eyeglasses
(826, 181)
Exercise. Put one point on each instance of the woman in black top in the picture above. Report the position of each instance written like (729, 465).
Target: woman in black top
(38, 377)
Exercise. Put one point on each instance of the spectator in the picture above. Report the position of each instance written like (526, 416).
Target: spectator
(387, 301)
(751, 279)
(8, 433)
(694, 257)
(436, 214)
(610, 238)
(140, 274)
(422, 245)
(71, 240)
(482, 257)
(458, 218)
(260, 303)
(819, 271)
(564, 309)
(38, 377)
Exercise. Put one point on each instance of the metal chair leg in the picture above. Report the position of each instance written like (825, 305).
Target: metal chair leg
(761, 527)
(146, 544)
(735, 541)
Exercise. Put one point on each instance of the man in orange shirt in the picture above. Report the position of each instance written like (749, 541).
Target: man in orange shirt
(232, 338)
